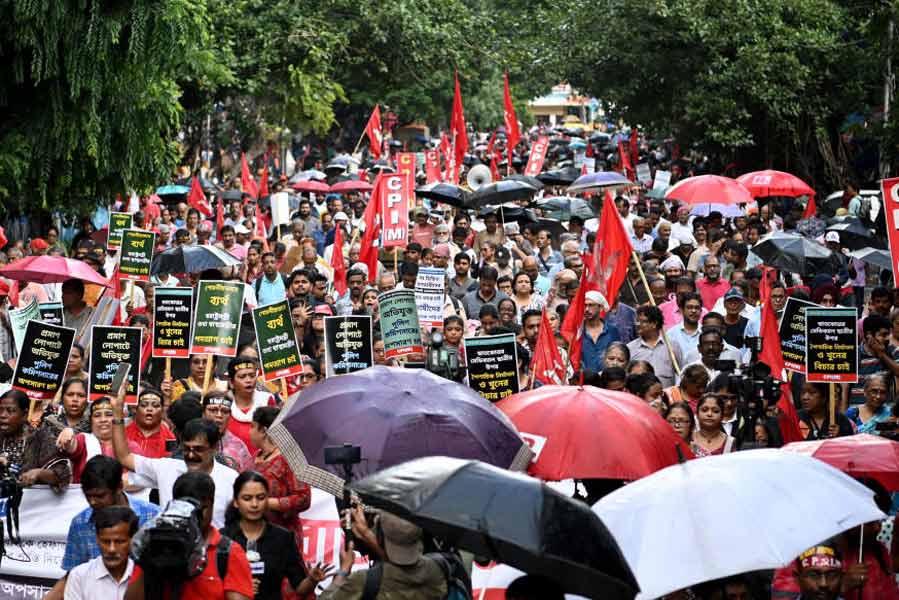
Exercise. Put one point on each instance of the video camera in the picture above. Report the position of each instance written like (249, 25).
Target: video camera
(755, 387)
(345, 456)
(11, 496)
(443, 361)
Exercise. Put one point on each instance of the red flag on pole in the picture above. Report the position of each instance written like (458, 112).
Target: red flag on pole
(369, 252)
(573, 326)
(446, 150)
(634, 150)
(611, 252)
(513, 135)
(547, 365)
(459, 132)
(624, 161)
(337, 262)
(263, 180)
(374, 133)
(247, 183)
(197, 199)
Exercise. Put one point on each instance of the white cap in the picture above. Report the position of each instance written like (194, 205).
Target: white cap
(594, 296)
(832, 236)
(240, 228)
(341, 216)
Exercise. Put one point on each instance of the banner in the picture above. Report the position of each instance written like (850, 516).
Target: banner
(280, 210)
(109, 347)
(18, 320)
(792, 333)
(832, 337)
(400, 327)
(276, 340)
(429, 296)
(662, 180)
(51, 313)
(348, 345)
(117, 223)
(42, 363)
(538, 155)
(492, 365)
(217, 319)
(172, 307)
(395, 192)
(432, 166)
(890, 188)
(644, 175)
(136, 254)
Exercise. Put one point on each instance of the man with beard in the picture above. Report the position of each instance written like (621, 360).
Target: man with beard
(685, 334)
(355, 281)
(597, 333)
(712, 287)
(310, 221)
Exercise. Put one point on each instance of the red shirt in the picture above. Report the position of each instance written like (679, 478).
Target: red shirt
(710, 292)
(208, 585)
(152, 446)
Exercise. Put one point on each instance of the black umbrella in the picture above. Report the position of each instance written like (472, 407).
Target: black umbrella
(855, 236)
(877, 258)
(514, 519)
(501, 192)
(192, 259)
(553, 226)
(512, 214)
(444, 192)
(531, 181)
(797, 254)
(231, 195)
(565, 176)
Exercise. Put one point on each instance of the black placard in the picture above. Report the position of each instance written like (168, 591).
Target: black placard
(792, 333)
(171, 324)
(109, 347)
(832, 345)
(348, 345)
(492, 365)
(42, 363)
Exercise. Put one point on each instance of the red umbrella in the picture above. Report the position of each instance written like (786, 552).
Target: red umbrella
(709, 189)
(592, 433)
(862, 455)
(352, 186)
(311, 185)
(52, 269)
(762, 184)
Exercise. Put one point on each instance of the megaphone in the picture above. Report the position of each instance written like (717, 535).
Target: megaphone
(478, 175)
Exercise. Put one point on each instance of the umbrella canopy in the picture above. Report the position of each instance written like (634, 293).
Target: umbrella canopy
(172, 190)
(231, 195)
(862, 455)
(855, 236)
(192, 259)
(565, 176)
(310, 185)
(553, 226)
(500, 192)
(709, 189)
(565, 207)
(877, 258)
(591, 433)
(762, 184)
(394, 415)
(531, 181)
(722, 515)
(444, 192)
(351, 186)
(511, 214)
(598, 181)
(307, 175)
(727, 210)
(52, 269)
(512, 518)
(790, 252)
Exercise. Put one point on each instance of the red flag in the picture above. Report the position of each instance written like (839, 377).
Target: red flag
(634, 151)
(432, 166)
(459, 132)
(197, 199)
(263, 180)
(3, 240)
(247, 183)
(611, 252)
(537, 156)
(547, 365)
(260, 231)
(219, 216)
(494, 170)
(513, 135)
(374, 133)
(624, 161)
(14, 293)
(573, 326)
(810, 209)
(369, 252)
(446, 150)
(337, 262)
(490, 143)
(589, 153)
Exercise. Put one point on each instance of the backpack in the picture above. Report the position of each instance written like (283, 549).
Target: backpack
(458, 582)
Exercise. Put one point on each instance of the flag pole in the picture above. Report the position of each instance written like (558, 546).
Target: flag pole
(653, 302)
(359, 143)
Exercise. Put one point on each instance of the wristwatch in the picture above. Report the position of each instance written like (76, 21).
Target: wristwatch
(118, 421)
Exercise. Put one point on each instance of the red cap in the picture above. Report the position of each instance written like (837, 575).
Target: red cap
(39, 244)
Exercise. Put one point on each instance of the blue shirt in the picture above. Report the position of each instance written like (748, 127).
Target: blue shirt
(592, 352)
(271, 291)
(624, 319)
(81, 544)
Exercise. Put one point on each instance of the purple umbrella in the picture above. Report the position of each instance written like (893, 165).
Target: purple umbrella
(599, 180)
(394, 415)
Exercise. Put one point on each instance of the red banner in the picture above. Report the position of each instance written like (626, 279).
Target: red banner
(890, 188)
(432, 166)
(538, 155)
(394, 193)
(407, 165)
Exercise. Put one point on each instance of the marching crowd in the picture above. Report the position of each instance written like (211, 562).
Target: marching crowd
(683, 321)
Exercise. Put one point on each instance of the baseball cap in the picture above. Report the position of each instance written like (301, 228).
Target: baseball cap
(733, 293)
(830, 236)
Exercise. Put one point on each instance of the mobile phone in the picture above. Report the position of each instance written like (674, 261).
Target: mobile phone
(120, 376)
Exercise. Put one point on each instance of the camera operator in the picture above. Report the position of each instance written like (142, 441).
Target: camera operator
(237, 583)
(199, 441)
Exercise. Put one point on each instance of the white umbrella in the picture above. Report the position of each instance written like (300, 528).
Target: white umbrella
(723, 515)
(728, 211)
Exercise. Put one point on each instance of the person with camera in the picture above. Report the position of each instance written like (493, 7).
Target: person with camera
(226, 571)
(199, 441)
(271, 550)
(107, 575)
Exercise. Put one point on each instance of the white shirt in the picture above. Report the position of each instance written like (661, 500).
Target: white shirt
(92, 580)
(164, 471)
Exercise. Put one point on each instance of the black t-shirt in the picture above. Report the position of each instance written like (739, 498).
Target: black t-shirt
(733, 334)
(280, 558)
(814, 432)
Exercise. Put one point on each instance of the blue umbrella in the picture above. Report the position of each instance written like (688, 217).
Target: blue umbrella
(598, 181)
(172, 190)
(577, 144)
(565, 207)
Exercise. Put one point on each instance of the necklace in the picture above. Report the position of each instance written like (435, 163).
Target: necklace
(707, 439)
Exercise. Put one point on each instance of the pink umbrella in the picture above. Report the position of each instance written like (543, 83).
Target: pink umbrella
(310, 185)
(52, 269)
(351, 186)
(709, 189)
(762, 184)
